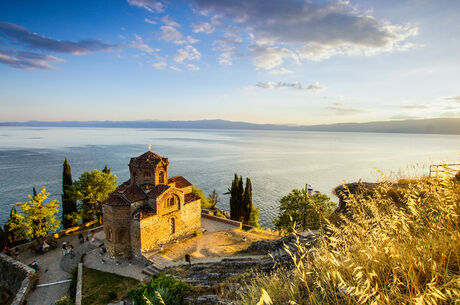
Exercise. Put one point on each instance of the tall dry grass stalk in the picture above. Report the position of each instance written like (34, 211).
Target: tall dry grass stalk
(398, 245)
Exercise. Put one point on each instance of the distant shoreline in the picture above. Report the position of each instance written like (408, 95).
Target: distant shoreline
(442, 126)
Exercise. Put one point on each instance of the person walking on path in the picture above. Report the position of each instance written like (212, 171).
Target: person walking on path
(6, 250)
(92, 235)
(80, 237)
(71, 252)
(64, 248)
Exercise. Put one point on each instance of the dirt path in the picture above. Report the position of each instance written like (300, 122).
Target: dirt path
(216, 244)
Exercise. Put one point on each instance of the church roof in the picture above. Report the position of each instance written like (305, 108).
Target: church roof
(144, 211)
(179, 181)
(158, 190)
(148, 157)
(116, 199)
(191, 197)
(126, 194)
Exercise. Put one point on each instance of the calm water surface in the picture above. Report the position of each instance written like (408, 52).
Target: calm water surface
(276, 161)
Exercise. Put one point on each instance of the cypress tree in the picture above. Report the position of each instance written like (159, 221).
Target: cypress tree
(3, 238)
(106, 170)
(69, 205)
(247, 200)
(251, 213)
(233, 201)
(34, 192)
(240, 199)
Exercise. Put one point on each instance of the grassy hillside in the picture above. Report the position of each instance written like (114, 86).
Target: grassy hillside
(395, 246)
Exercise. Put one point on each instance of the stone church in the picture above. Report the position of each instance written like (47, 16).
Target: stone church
(149, 209)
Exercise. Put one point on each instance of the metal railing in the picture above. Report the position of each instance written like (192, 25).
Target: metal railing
(449, 169)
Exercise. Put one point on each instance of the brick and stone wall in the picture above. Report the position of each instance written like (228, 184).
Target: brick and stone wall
(156, 230)
(117, 229)
(15, 278)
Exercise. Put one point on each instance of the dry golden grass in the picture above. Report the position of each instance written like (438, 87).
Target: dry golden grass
(390, 249)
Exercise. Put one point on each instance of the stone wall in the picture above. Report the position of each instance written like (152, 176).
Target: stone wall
(15, 278)
(156, 230)
(117, 229)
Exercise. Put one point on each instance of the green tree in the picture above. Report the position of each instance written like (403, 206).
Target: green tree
(251, 213)
(204, 202)
(35, 218)
(3, 238)
(106, 170)
(17, 235)
(69, 204)
(241, 206)
(236, 198)
(91, 189)
(213, 199)
(307, 211)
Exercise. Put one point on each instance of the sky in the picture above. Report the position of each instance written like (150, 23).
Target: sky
(262, 61)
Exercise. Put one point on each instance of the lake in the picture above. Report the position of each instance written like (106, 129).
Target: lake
(276, 161)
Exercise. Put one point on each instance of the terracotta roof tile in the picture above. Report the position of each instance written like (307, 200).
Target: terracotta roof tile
(116, 199)
(144, 212)
(148, 157)
(133, 193)
(158, 190)
(191, 197)
(180, 182)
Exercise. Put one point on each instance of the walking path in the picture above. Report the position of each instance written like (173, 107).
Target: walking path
(54, 268)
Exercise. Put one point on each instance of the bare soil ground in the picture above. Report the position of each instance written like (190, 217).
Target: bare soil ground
(216, 244)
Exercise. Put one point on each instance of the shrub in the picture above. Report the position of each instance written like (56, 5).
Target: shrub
(64, 301)
(73, 283)
(388, 250)
(112, 294)
(161, 288)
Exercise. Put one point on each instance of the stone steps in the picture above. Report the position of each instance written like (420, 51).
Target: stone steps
(151, 270)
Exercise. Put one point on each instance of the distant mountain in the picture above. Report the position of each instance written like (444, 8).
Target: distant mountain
(427, 126)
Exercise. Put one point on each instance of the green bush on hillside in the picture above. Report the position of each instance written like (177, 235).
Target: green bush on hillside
(161, 290)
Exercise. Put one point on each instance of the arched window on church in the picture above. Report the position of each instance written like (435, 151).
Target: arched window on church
(161, 178)
(171, 202)
(109, 234)
(172, 226)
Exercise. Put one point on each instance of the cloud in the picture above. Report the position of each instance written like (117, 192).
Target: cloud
(170, 33)
(160, 65)
(192, 67)
(27, 60)
(140, 45)
(294, 85)
(412, 107)
(187, 53)
(339, 109)
(228, 45)
(281, 71)
(175, 68)
(20, 35)
(203, 27)
(454, 98)
(270, 57)
(150, 21)
(150, 5)
(308, 30)
(170, 21)
(192, 40)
